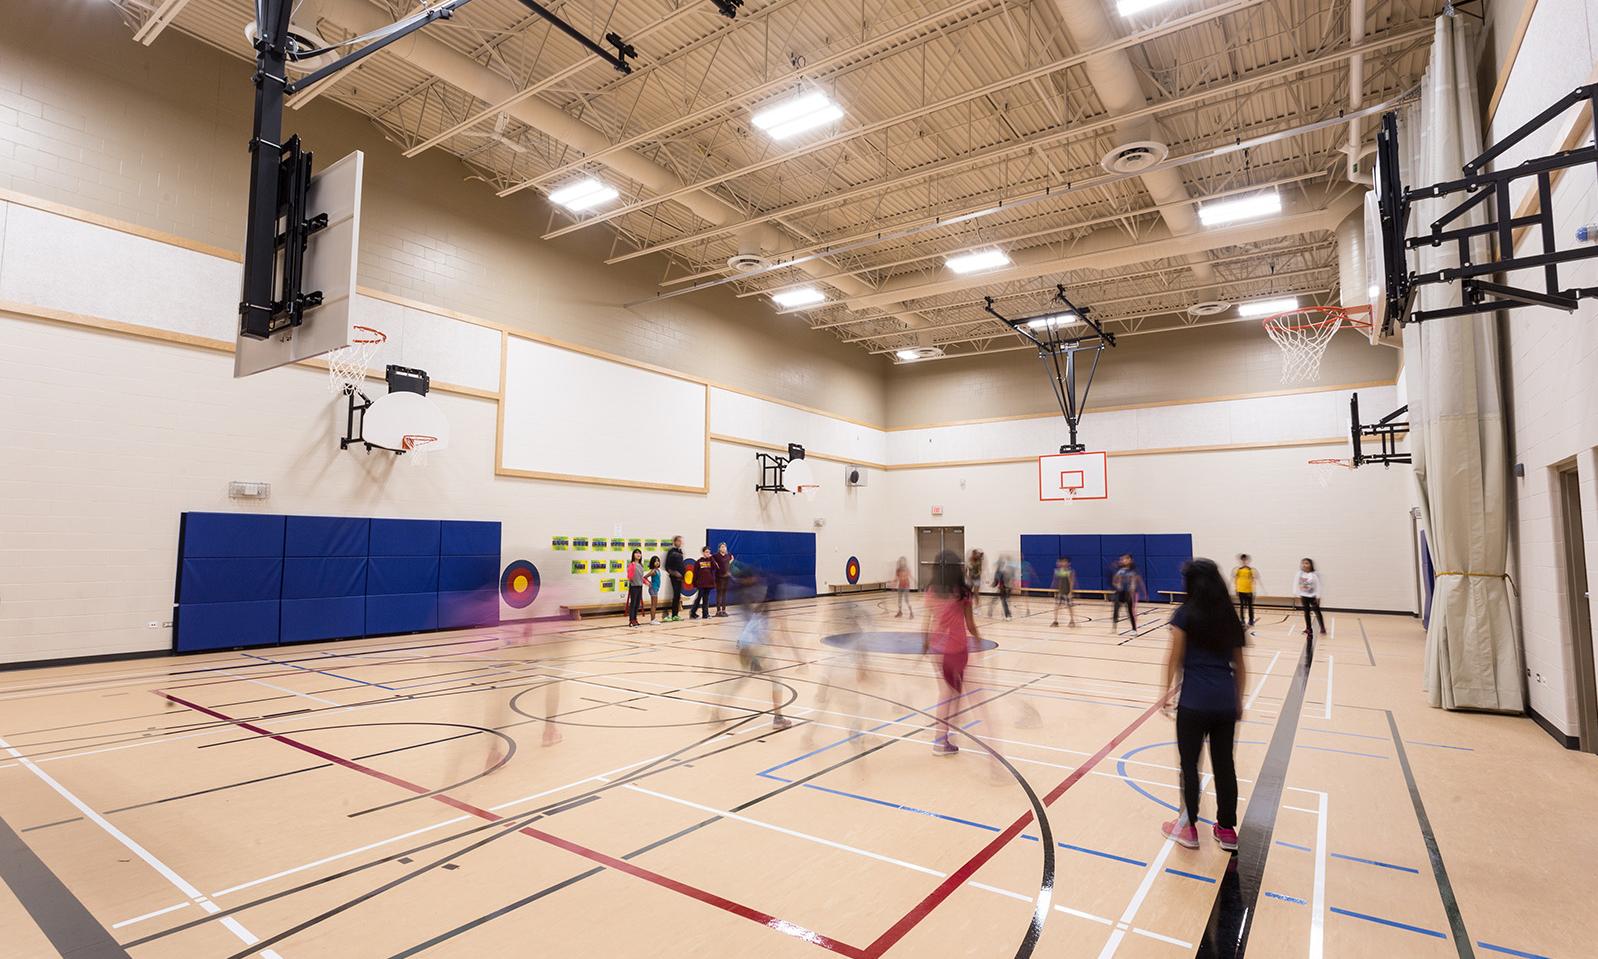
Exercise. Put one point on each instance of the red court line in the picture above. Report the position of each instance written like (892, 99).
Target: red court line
(958, 877)
(880, 945)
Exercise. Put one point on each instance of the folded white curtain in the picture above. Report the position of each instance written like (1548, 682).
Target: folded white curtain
(1473, 658)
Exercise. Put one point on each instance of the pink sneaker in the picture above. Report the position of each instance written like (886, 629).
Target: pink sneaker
(1227, 838)
(1186, 835)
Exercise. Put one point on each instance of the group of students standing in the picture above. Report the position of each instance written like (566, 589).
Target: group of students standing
(1306, 589)
(712, 570)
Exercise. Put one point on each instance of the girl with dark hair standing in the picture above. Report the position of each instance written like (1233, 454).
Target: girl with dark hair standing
(1308, 588)
(1205, 672)
(951, 626)
(636, 574)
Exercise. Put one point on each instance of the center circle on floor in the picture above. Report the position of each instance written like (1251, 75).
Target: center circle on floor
(890, 642)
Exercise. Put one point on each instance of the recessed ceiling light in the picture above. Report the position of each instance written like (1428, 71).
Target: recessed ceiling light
(803, 296)
(977, 260)
(584, 194)
(1054, 322)
(1268, 307)
(796, 115)
(1242, 208)
(918, 353)
(1129, 7)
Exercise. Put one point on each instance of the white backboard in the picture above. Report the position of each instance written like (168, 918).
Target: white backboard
(1072, 476)
(329, 266)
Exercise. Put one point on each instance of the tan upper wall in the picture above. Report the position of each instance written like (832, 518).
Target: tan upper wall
(156, 136)
(1203, 363)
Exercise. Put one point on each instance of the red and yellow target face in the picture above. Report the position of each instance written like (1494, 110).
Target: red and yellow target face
(518, 585)
(851, 570)
(688, 579)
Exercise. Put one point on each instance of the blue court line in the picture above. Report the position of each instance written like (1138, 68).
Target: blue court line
(1292, 899)
(1294, 845)
(348, 679)
(1510, 952)
(1346, 752)
(1373, 862)
(1190, 875)
(1388, 922)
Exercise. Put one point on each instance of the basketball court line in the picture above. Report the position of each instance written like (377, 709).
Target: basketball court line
(61, 916)
(1445, 889)
(1141, 893)
(232, 925)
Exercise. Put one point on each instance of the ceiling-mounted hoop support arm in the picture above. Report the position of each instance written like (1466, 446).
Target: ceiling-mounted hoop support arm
(1490, 191)
(1386, 430)
(1058, 354)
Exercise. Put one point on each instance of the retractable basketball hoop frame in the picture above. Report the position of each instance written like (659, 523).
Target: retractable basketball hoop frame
(1058, 353)
(278, 225)
(1490, 191)
(774, 468)
(1386, 431)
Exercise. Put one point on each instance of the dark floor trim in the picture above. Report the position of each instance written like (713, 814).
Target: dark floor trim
(1445, 889)
(1562, 738)
(84, 660)
(63, 919)
(1232, 916)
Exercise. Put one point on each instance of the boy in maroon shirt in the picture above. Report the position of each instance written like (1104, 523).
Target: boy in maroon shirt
(704, 578)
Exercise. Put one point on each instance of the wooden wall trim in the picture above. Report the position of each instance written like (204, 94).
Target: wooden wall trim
(1508, 66)
(1152, 451)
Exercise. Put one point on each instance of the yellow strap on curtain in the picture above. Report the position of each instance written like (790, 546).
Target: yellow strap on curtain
(1452, 572)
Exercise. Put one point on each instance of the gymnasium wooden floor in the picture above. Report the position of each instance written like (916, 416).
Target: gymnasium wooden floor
(586, 789)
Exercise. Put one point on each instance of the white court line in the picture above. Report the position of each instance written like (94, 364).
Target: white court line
(1102, 920)
(1317, 920)
(1331, 664)
(285, 689)
(1249, 703)
(183, 885)
(382, 842)
(1153, 872)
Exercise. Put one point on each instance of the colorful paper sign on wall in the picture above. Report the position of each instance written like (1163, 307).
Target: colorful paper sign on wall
(651, 544)
(596, 566)
(601, 543)
(518, 584)
(561, 543)
(607, 586)
(851, 570)
(635, 544)
(616, 542)
(579, 565)
(615, 566)
(579, 542)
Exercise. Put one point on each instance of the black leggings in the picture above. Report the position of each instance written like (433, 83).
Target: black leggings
(1312, 604)
(1245, 608)
(1192, 726)
(676, 594)
(1130, 600)
(701, 603)
(635, 599)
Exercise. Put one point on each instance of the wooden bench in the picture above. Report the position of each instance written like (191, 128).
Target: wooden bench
(1171, 594)
(1049, 591)
(856, 587)
(578, 611)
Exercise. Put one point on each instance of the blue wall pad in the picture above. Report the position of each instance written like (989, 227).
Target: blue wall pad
(789, 559)
(248, 579)
(1159, 557)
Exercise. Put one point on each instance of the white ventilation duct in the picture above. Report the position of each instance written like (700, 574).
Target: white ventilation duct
(1357, 172)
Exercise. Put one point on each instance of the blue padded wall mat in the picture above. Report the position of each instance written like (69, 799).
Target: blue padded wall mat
(230, 578)
(789, 559)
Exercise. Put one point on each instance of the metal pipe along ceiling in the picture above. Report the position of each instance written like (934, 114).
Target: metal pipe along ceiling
(1116, 82)
(437, 59)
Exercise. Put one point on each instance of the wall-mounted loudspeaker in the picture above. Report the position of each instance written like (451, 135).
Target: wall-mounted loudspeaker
(854, 476)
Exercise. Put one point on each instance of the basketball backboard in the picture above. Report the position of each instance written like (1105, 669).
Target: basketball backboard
(1066, 477)
(329, 268)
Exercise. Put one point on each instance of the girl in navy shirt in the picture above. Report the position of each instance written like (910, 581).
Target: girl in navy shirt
(1205, 672)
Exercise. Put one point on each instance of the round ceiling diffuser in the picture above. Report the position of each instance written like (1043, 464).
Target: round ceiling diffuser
(1209, 308)
(1135, 157)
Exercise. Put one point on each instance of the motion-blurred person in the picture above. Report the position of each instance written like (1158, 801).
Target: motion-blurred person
(1003, 583)
(901, 586)
(1127, 586)
(973, 572)
(674, 570)
(722, 560)
(1244, 579)
(1064, 589)
(752, 593)
(843, 675)
(1205, 671)
(951, 628)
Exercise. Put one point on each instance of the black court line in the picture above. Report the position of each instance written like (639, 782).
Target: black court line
(1231, 918)
(60, 915)
(1368, 653)
(1445, 889)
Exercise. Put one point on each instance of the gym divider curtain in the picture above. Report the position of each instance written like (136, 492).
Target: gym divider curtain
(1456, 419)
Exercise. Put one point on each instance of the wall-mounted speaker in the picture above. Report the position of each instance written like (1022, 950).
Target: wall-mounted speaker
(854, 476)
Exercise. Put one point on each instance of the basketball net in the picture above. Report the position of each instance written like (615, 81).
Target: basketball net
(419, 447)
(1305, 333)
(1324, 476)
(347, 365)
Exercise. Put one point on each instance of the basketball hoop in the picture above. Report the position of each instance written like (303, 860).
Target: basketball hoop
(419, 446)
(1305, 333)
(1323, 477)
(347, 365)
(807, 490)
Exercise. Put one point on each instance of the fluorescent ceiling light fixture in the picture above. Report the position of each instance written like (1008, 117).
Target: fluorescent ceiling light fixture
(908, 355)
(796, 115)
(976, 261)
(1267, 307)
(584, 194)
(1054, 322)
(1128, 8)
(803, 296)
(1242, 208)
